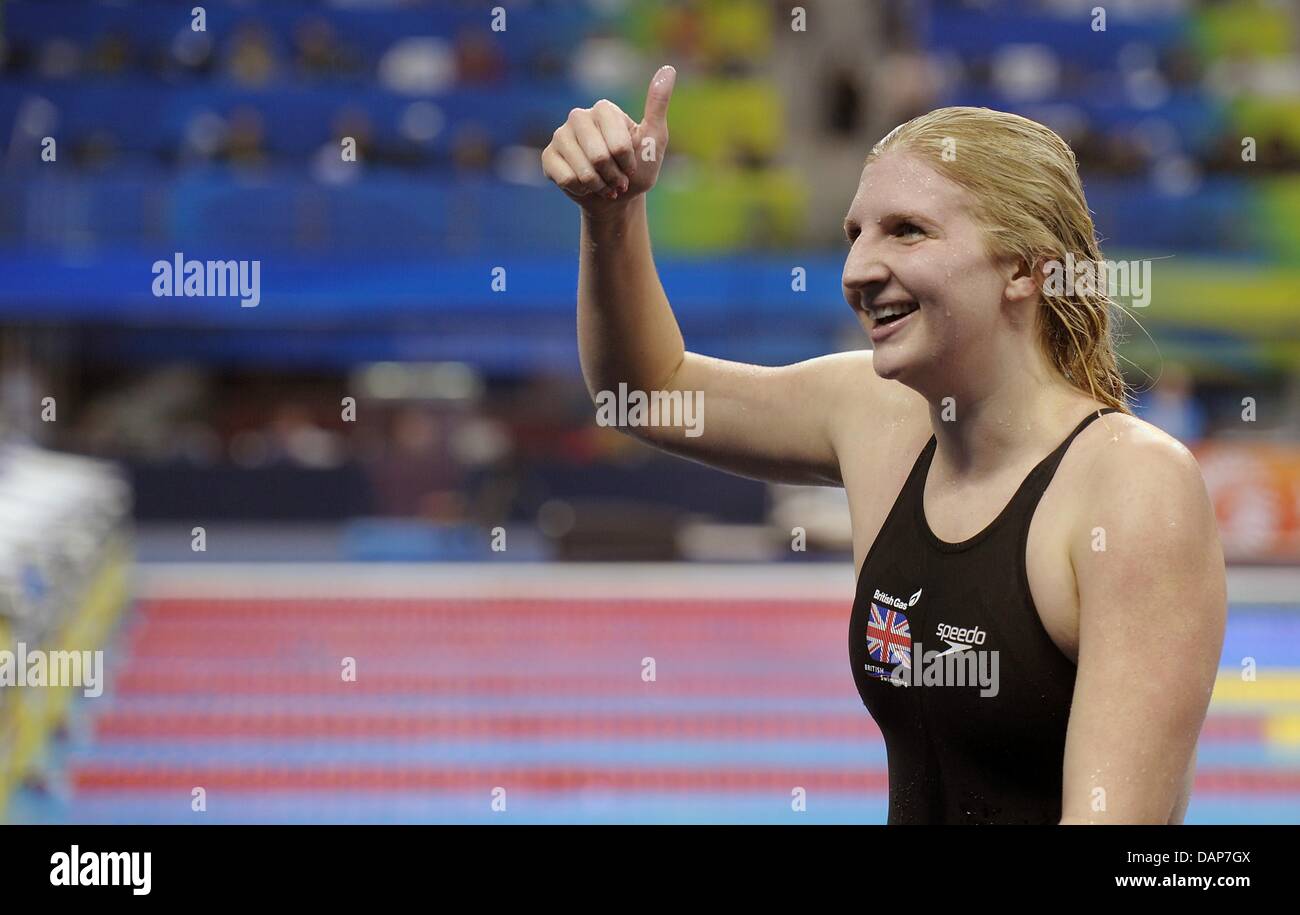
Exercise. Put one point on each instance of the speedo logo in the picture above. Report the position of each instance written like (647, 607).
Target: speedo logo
(960, 639)
(895, 602)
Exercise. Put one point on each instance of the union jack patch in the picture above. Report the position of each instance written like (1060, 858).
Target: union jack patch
(889, 638)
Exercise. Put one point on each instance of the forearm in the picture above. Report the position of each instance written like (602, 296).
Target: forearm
(626, 329)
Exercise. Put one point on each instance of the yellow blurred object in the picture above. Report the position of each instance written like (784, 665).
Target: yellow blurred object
(1274, 686)
(1263, 118)
(1193, 292)
(737, 29)
(1283, 730)
(715, 120)
(729, 209)
(707, 34)
(1243, 28)
(31, 714)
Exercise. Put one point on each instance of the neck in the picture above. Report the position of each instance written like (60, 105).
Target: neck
(1002, 419)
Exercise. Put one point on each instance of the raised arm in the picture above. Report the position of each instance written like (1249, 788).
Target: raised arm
(772, 423)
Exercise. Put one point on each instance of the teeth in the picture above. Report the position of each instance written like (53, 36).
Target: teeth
(886, 311)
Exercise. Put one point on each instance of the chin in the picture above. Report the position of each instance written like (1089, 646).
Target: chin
(890, 367)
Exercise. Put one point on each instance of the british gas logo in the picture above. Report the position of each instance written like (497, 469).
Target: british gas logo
(895, 602)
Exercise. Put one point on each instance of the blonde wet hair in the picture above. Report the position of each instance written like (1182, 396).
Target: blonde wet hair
(1029, 201)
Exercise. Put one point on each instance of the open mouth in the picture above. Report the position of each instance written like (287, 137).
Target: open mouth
(888, 314)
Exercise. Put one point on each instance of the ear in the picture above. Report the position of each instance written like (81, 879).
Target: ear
(1022, 282)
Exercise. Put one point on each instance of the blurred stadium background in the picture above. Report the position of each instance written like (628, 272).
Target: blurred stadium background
(129, 421)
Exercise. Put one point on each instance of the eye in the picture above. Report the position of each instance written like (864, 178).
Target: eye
(851, 236)
(905, 229)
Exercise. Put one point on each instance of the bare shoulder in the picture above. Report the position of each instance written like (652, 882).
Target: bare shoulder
(1137, 478)
(1126, 451)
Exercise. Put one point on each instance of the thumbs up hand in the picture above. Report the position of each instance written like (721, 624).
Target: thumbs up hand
(602, 158)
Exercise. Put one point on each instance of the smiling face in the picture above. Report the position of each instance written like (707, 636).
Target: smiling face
(914, 240)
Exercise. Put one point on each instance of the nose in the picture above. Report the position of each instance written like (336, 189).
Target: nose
(865, 275)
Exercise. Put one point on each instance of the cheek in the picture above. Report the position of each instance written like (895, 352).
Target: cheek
(962, 289)
(941, 276)
(964, 260)
(967, 281)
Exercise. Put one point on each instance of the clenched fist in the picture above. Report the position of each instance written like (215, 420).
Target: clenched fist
(602, 158)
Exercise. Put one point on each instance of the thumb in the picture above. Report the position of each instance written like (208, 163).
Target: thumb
(658, 96)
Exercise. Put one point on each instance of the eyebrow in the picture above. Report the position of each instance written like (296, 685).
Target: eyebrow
(901, 216)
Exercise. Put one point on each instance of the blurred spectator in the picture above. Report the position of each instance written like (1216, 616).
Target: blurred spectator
(59, 58)
(111, 55)
(1109, 154)
(372, 148)
(478, 59)
(681, 28)
(472, 149)
(251, 59)
(843, 102)
(1181, 66)
(418, 66)
(906, 84)
(605, 63)
(190, 53)
(244, 138)
(417, 472)
(353, 122)
(96, 149)
(318, 53)
(298, 438)
(15, 56)
(202, 140)
(20, 397)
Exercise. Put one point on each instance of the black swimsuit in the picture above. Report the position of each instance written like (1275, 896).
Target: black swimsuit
(953, 663)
